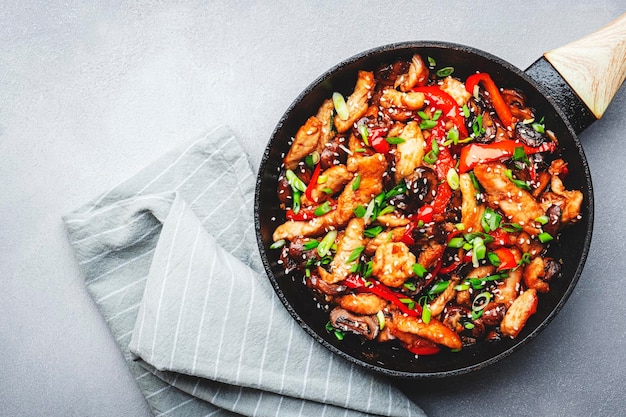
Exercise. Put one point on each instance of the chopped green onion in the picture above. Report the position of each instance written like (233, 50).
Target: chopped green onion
(466, 111)
(452, 136)
(311, 244)
(462, 287)
(445, 71)
(312, 159)
(453, 179)
(356, 183)
(439, 287)
(519, 183)
(400, 188)
(381, 319)
(394, 140)
(373, 231)
(296, 183)
(456, 242)
(295, 205)
(367, 270)
(481, 301)
(511, 227)
(363, 130)
(339, 334)
(490, 220)
(356, 254)
(327, 190)
(493, 259)
(322, 209)
(410, 303)
(539, 127)
(469, 325)
(428, 124)
(479, 250)
(359, 211)
(477, 126)
(329, 240)
(436, 115)
(542, 219)
(525, 260)
(386, 210)
(419, 270)
(410, 285)
(545, 237)
(329, 327)
(431, 156)
(431, 62)
(322, 179)
(426, 314)
(422, 114)
(459, 226)
(340, 106)
(278, 244)
(519, 154)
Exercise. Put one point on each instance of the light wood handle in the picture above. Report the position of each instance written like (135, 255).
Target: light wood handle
(594, 66)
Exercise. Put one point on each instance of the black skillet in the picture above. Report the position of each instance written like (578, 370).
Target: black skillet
(565, 113)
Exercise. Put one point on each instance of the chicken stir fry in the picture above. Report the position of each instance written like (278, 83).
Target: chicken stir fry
(419, 208)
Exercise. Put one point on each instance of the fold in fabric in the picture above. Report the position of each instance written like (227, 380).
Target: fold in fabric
(170, 259)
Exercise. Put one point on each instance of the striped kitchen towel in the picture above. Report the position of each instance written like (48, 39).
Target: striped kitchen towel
(171, 260)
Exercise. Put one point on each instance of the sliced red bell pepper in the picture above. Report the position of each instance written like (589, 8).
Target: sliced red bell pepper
(426, 349)
(375, 287)
(499, 105)
(479, 153)
(507, 259)
(313, 182)
(443, 101)
(303, 214)
(380, 145)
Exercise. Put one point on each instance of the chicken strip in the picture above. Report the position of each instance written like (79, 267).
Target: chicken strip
(518, 314)
(409, 154)
(370, 170)
(393, 264)
(517, 204)
(435, 331)
(334, 180)
(456, 90)
(417, 75)
(351, 240)
(358, 101)
(324, 115)
(471, 211)
(304, 143)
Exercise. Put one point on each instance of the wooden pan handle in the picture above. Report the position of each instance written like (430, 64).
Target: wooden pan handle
(594, 66)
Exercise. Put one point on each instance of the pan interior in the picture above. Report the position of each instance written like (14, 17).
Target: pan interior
(389, 359)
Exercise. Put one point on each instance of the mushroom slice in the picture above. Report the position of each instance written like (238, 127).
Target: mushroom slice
(359, 324)
(358, 101)
(304, 143)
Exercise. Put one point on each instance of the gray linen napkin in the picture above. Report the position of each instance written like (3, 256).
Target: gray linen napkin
(170, 258)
